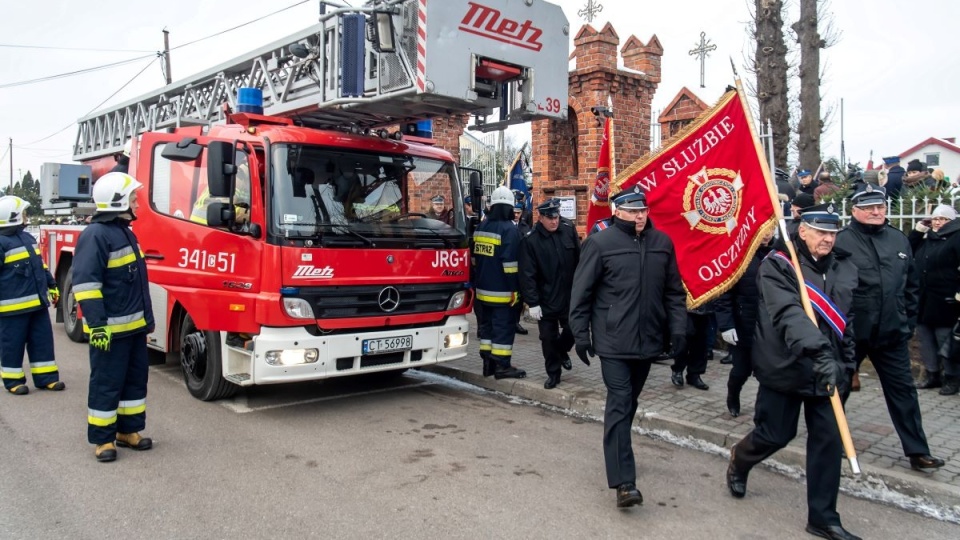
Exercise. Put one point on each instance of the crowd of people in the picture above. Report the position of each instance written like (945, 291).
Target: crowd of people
(618, 296)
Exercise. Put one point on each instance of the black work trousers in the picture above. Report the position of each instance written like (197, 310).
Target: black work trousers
(624, 380)
(892, 363)
(556, 339)
(742, 366)
(694, 359)
(775, 425)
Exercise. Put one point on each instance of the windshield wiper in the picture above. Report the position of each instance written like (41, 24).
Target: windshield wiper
(348, 230)
(447, 241)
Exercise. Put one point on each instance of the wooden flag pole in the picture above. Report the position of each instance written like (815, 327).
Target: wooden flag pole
(841, 417)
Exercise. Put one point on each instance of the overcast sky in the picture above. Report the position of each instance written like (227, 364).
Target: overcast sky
(898, 72)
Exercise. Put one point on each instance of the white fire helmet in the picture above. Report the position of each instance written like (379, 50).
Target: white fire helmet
(127, 146)
(502, 195)
(11, 211)
(111, 192)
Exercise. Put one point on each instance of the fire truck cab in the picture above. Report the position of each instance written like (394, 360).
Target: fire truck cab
(289, 232)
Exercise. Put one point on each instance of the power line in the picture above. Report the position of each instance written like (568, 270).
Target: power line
(239, 25)
(14, 46)
(98, 105)
(71, 73)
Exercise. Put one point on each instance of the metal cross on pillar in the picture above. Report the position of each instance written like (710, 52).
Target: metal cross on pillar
(589, 11)
(702, 50)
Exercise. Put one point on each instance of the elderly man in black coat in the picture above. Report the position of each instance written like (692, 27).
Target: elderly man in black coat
(627, 296)
(800, 362)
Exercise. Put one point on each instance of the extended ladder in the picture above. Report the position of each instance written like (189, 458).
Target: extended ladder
(450, 57)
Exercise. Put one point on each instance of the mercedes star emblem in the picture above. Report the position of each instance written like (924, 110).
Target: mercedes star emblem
(389, 299)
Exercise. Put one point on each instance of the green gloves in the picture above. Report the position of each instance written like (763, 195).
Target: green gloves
(100, 338)
(54, 295)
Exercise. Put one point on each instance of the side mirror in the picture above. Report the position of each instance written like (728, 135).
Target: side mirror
(220, 168)
(186, 150)
(476, 192)
(220, 214)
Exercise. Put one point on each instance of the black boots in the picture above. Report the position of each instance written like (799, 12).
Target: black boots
(929, 380)
(521, 330)
(552, 382)
(919, 463)
(951, 385)
(833, 532)
(509, 372)
(628, 495)
(696, 382)
(489, 366)
(733, 402)
(736, 479)
(676, 377)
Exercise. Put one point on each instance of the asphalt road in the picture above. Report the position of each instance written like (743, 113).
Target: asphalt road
(415, 457)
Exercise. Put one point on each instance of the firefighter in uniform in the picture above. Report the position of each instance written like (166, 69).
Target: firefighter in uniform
(799, 362)
(495, 245)
(886, 307)
(241, 199)
(548, 257)
(28, 290)
(626, 297)
(110, 282)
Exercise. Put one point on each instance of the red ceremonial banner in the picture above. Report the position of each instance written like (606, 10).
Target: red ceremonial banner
(708, 191)
(599, 199)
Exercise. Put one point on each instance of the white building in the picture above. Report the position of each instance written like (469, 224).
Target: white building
(936, 153)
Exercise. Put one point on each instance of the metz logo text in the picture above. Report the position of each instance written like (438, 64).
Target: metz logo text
(490, 23)
(308, 271)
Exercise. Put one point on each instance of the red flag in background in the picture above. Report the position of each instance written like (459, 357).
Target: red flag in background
(708, 189)
(600, 197)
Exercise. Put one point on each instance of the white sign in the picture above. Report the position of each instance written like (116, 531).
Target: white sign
(568, 208)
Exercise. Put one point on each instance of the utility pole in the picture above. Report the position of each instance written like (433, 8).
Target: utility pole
(166, 55)
(10, 150)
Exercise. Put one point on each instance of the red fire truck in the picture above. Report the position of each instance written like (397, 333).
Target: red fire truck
(290, 233)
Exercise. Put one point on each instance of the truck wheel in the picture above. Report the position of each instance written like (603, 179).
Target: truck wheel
(200, 362)
(69, 307)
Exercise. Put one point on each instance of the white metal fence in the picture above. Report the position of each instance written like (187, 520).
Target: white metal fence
(905, 212)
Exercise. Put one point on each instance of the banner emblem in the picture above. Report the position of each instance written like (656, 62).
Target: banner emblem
(711, 200)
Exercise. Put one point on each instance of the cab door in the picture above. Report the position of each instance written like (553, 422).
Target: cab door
(212, 272)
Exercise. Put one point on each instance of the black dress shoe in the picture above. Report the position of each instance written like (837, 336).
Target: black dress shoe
(834, 532)
(565, 362)
(733, 403)
(696, 382)
(521, 330)
(727, 359)
(551, 383)
(676, 377)
(736, 480)
(918, 463)
(628, 495)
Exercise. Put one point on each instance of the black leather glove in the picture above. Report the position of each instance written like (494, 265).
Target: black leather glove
(827, 371)
(678, 344)
(843, 385)
(584, 352)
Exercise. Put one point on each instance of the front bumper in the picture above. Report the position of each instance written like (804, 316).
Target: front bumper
(341, 354)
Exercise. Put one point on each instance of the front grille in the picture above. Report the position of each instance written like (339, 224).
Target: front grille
(363, 301)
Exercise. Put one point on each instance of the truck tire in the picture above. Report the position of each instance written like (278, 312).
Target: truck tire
(200, 362)
(69, 306)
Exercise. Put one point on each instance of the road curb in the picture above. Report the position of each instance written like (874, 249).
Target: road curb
(907, 483)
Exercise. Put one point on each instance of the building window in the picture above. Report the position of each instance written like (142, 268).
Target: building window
(933, 160)
(466, 155)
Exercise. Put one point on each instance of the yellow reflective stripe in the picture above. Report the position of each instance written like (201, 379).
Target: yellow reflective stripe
(14, 257)
(87, 295)
(486, 240)
(501, 352)
(22, 305)
(125, 327)
(101, 422)
(122, 261)
(12, 375)
(137, 409)
(510, 269)
(43, 369)
(493, 299)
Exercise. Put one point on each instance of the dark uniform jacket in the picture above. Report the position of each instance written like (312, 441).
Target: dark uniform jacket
(24, 277)
(547, 263)
(938, 259)
(737, 308)
(786, 340)
(894, 181)
(627, 291)
(886, 298)
(495, 245)
(110, 278)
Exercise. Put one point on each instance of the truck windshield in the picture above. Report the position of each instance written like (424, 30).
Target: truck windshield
(343, 198)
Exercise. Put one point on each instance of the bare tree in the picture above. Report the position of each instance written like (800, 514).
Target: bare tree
(811, 124)
(770, 65)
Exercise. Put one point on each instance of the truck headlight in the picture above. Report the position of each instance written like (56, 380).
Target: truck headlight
(454, 340)
(298, 308)
(292, 357)
(457, 300)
